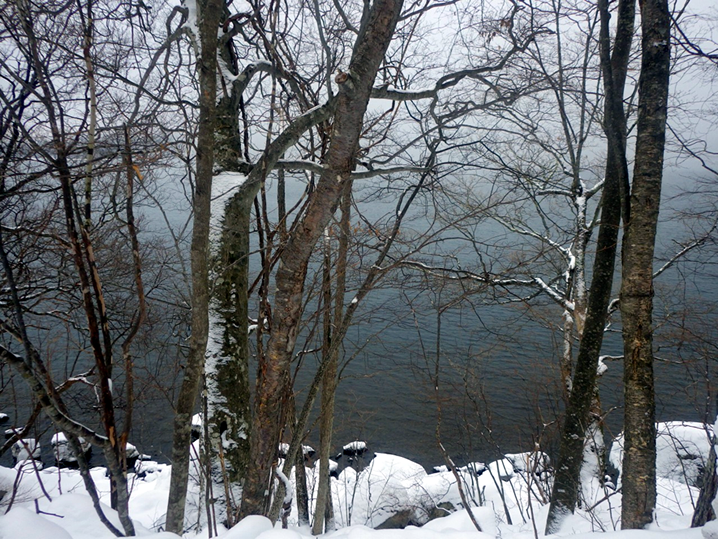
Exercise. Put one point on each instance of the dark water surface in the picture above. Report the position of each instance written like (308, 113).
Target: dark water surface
(498, 385)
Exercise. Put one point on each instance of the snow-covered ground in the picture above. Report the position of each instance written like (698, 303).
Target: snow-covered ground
(391, 490)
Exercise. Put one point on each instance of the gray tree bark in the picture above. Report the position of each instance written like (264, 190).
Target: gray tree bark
(565, 494)
(329, 381)
(209, 16)
(639, 458)
(704, 506)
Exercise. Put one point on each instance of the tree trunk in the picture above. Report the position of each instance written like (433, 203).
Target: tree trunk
(639, 458)
(704, 506)
(565, 495)
(351, 105)
(233, 375)
(329, 381)
(227, 360)
(227, 368)
(302, 494)
(210, 12)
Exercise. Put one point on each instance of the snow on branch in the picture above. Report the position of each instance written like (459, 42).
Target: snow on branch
(312, 166)
(533, 234)
(692, 245)
(486, 278)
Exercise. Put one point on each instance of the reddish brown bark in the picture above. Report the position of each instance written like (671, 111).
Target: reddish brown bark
(351, 105)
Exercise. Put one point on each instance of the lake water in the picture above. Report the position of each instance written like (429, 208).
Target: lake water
(498, 387)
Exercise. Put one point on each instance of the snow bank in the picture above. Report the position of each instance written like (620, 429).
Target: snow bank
(390, 492)
(70, 516)
(682, 451)
(25, 524)
(69, 507)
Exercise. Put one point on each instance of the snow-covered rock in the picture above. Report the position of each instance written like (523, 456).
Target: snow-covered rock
(389, 485)
(681, 451)
(27, 448)
(535, 462)
(62, 452)
(356, 447)
(475, 468)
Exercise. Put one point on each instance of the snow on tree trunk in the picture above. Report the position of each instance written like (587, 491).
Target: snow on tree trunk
(226, 362)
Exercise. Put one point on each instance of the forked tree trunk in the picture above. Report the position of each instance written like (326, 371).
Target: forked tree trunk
(352, 102)
(329, 381)
(639, 457)
(566, 488)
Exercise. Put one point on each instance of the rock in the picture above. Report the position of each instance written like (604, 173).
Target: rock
(399, 520)
(26, 449)
(333, 468)
(475, 468)
(440, 511)
(64, 457)
(355, 448)
(133, 455)
(531, 461)
(409, 517)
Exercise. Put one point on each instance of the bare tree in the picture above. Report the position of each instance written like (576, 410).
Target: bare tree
(209, 17)
(614, 62)
(639, 461)
(54, 138)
